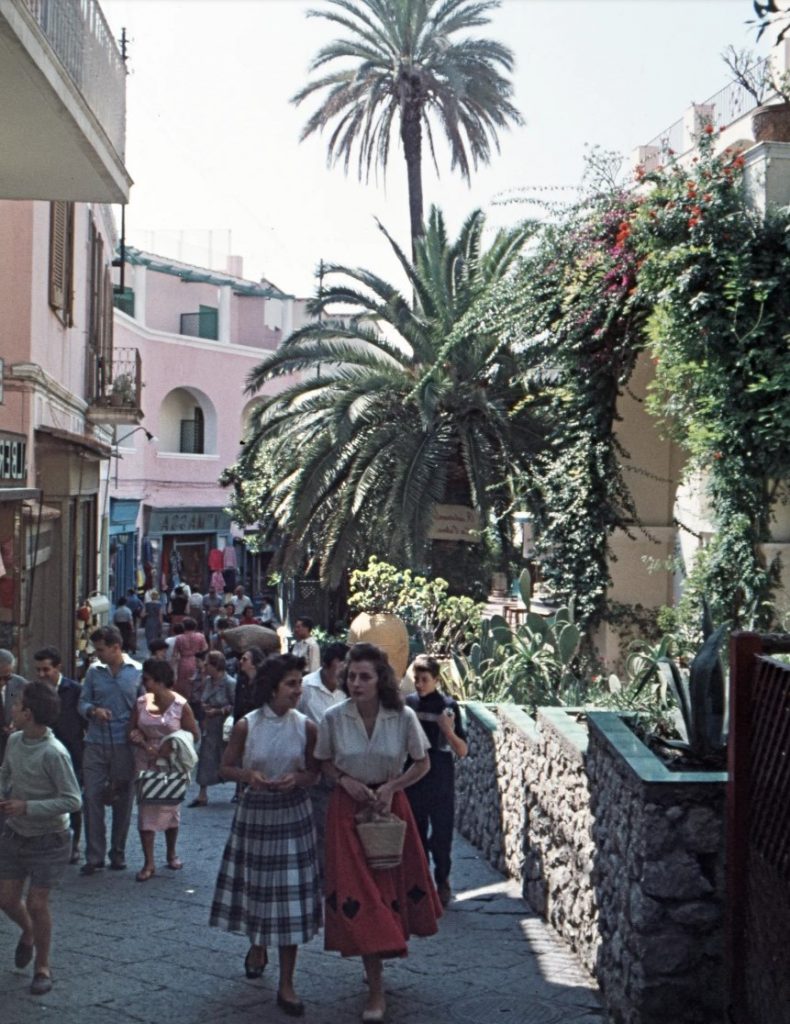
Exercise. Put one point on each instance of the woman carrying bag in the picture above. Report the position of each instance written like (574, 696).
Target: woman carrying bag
(158, 714)
(362, 746)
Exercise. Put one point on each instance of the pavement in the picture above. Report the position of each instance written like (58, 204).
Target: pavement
(130, 952)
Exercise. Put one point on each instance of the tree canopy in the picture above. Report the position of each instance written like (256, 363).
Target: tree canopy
(408, 70)
(397, 406)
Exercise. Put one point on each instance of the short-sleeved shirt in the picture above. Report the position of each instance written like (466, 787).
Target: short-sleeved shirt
(317, 699)
(343, 739)
(428, 709)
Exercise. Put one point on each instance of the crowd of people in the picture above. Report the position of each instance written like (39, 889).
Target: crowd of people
(315, 741)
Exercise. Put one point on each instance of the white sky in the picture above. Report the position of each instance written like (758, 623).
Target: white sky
(213, 140)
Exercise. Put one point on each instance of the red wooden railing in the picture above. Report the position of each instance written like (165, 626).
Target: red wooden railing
(758, 831)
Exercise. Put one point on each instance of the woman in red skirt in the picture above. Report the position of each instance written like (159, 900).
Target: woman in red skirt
(362, 745)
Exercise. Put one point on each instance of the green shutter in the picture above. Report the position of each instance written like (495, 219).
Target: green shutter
(208, 322)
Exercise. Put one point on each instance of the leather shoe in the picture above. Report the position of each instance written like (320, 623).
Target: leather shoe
(117, 865)
(198, 803)
(253, 970)
(41, 984)
(91, 869)
(291, 1007)
(23, 954)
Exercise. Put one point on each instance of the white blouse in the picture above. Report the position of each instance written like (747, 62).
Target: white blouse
(343, 740)
(275, 744)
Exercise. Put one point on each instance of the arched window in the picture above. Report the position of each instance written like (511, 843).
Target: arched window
(187, 423)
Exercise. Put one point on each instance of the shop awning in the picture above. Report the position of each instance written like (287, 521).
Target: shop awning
(18, 493)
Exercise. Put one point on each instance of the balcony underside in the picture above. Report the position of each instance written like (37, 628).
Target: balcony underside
(51, 144)
(107, 415)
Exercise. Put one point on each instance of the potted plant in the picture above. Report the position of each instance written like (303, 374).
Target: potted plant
(771, 120)
(375, 593)
(123, 390)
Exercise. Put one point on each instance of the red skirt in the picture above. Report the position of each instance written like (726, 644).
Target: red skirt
(374, 912)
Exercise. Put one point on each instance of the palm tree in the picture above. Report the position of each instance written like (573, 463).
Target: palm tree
(391, 409)
(408, 69)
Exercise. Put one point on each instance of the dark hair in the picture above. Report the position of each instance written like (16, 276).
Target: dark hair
(222, 623)
(157, 645)
(388, 692)
(110, 636)
(425, 663)
(120, 602)
(177, 629)
(306, 621)
(271, 674)
(189, 624)
(217, 660)
(159, 671)
(334, 652)
(256, 656)
(51, 654)
(131, 591)
(42, 702)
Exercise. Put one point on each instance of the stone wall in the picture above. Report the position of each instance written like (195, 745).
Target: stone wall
(659, 882)
(621, 856)
(523, 800)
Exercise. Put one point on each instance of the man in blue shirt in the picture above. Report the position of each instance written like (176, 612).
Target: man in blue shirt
(109, 692)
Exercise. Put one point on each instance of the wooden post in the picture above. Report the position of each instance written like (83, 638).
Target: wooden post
(744, 651)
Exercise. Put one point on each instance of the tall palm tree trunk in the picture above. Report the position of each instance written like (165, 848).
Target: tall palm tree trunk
(411, 136)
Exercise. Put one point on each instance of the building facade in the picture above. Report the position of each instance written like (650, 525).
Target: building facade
(199, 333)
(62, 133)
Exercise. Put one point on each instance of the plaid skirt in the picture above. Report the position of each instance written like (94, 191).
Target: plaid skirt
(267, 887)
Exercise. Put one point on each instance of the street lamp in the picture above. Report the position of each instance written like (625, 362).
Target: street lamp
(118, 440)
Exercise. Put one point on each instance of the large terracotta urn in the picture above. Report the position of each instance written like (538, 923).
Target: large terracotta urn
(385, 631)
(771, 123)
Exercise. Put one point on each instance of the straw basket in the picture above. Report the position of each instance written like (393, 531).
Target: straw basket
(382, 838)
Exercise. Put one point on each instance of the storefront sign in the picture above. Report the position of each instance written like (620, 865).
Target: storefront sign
(189, 521)
(13, 458)
(455, 522)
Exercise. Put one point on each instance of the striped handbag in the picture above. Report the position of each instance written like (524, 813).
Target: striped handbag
(157, 786)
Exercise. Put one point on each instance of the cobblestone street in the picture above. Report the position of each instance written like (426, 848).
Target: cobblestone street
(125, 951)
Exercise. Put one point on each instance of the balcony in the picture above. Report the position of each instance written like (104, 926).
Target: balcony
(63, 117)
(204, 324)
(117, 395)
(723, 110)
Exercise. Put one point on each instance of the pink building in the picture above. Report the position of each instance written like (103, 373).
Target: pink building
(199, 333)
(62, 132)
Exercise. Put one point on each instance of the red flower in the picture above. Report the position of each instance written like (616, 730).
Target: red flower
(708, 129)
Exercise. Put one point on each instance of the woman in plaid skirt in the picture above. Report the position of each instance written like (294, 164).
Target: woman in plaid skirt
(267, 888)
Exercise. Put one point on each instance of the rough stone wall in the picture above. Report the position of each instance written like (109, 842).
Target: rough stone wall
(630, 872)
(522, 799)
(659, 887)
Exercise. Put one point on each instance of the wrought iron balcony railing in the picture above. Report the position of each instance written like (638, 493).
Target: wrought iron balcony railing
(80, 38)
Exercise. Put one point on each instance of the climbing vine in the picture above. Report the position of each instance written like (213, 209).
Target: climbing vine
(715, 275)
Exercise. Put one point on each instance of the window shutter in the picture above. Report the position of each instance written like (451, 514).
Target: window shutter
(106, 319)
(61, 259)
(57, 254)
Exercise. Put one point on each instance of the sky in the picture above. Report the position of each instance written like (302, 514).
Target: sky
(213, 139)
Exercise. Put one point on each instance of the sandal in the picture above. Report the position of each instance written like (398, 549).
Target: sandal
(175, 864)
(144, 874)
